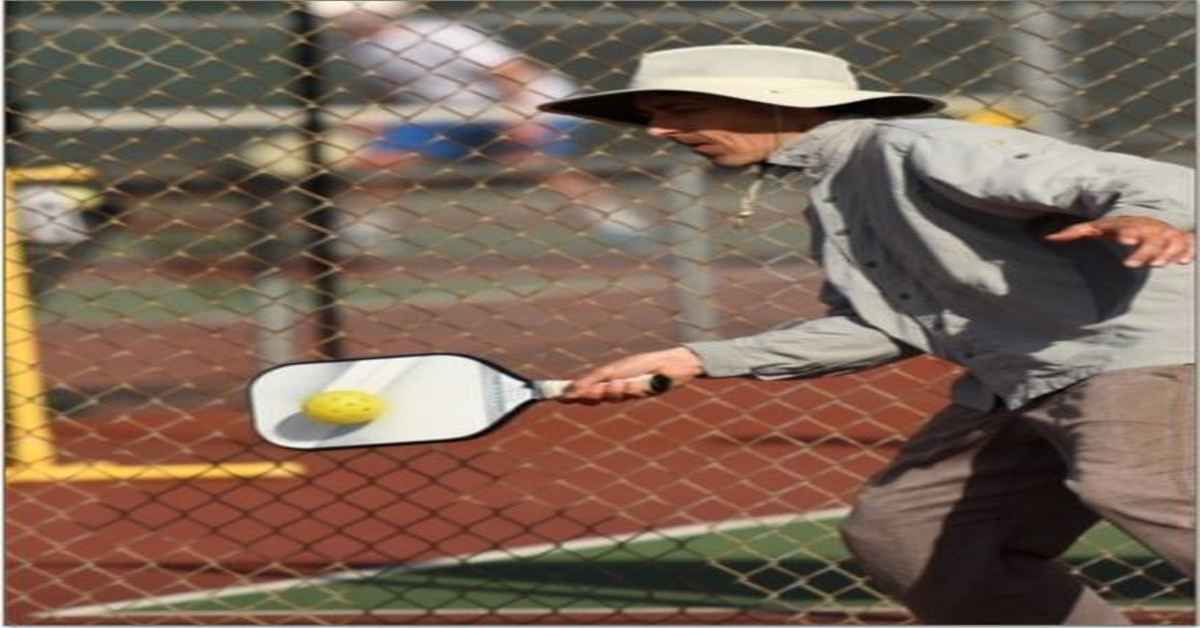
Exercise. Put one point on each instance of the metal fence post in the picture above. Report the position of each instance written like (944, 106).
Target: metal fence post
(320, 221)
(1036, 36)
(692, 253)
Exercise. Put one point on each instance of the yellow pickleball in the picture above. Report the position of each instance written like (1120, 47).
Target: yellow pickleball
(344, 407)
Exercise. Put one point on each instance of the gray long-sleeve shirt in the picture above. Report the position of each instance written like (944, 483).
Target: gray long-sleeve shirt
(930, 235)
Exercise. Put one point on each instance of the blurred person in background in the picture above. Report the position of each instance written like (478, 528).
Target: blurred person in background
(1059, 276)
(426, 60)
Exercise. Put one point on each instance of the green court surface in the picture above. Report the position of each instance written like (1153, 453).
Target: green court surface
(789, 564)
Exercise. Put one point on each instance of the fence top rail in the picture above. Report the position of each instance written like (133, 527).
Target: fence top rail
(657, 13)
(251, 116)
(291, 117)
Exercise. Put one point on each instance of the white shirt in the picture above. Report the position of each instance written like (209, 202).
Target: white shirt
(437, 61)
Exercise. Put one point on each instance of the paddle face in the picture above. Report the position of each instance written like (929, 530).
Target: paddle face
(425, 398)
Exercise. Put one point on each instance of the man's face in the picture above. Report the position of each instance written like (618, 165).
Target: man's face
(728, 132)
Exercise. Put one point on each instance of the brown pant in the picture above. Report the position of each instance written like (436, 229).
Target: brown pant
(965, 525)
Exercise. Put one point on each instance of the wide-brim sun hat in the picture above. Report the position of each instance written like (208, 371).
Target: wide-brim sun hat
(775, 75)
(361, 9)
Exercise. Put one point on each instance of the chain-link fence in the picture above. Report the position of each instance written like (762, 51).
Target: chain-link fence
(201, 190)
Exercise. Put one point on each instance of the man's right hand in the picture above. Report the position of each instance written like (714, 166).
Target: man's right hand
(610, 382)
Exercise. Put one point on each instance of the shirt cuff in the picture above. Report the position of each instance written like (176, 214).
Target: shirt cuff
(720, 358)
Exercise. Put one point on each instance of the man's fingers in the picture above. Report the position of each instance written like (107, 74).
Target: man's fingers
(602, 383)
(1155, 243)
(626, 378)
(1189, 251)
(608, 390)
(1158, 247)
(590, 379)
(1076, 232)
(616, 388)
(590, 386)
(1174, 251)
(1181, 250)
(1148, 249)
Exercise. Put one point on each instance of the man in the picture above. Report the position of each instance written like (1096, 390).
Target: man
(1058, 275)
(491, 91)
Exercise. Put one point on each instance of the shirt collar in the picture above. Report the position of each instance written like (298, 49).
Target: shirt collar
(824, 148)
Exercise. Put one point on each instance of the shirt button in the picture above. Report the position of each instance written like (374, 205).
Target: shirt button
(904, 296)
(871, 264)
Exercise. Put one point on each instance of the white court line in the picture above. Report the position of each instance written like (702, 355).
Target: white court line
(113, 608)
(404, 612)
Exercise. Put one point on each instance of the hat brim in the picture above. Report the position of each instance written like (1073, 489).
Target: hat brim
(619, 105)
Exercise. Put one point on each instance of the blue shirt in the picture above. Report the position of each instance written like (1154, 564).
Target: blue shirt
(930, 235)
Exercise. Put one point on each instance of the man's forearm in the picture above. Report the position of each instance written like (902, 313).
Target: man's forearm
(815, 347)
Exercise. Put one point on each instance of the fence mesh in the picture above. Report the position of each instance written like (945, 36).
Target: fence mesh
(197, 191)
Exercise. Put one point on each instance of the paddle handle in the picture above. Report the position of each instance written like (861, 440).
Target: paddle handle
(555, 388)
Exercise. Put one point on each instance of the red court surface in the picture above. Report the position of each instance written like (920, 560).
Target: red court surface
(175, 394)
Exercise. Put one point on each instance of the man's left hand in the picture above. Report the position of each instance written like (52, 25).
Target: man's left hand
(1157, 243)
